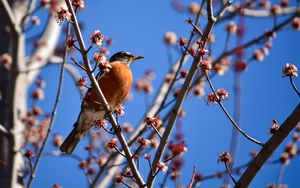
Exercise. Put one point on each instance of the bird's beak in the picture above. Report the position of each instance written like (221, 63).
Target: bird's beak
(137, 57)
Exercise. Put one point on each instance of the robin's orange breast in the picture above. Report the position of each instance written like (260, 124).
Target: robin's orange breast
(114, 84)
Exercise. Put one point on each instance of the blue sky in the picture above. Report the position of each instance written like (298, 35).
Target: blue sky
(139, 27)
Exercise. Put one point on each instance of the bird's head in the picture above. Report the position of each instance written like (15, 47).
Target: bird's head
(124, 57)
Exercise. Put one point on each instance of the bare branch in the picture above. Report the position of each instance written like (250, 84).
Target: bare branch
(269, 148)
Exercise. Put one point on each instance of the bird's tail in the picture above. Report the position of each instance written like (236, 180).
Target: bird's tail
(71, 141)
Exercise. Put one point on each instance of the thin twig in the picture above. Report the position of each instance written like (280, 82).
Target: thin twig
(170, 158)
(73, 59)
(280, 175)
(228, 115)
(94, 69)
(224, 9)
(137, 151)
(168, 104)
(126, 184)
(227, 41)
(294, 86)
(149, 163)
(30, 164)
(108, 131)
(164, 181)
(117, 149)
(78, 49)
(197, 28)
(193, 178)
(87, 177)
(156, 131)
(52, 115)
(90, 47)
(229, 173)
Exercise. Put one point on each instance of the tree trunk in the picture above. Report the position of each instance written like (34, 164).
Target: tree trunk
(13, 92)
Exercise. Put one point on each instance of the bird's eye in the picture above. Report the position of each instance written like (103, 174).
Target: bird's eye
(126, 54)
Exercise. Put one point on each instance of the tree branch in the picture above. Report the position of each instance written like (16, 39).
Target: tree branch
(269, 148)
(183, 92)
(10, 16)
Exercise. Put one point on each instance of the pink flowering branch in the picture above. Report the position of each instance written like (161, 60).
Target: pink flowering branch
(101, 97)
(257, 39)
(261, 13)
(183, 92)
(269, 147)
(248, 44)
(228, 115)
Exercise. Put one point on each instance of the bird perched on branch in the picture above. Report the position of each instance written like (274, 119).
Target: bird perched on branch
(115, 85)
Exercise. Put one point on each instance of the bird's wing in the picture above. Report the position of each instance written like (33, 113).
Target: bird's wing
(98, 77)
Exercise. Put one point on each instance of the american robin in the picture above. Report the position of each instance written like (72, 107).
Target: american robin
(115, 85)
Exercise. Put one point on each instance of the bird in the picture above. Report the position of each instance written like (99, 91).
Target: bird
(115, 85)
